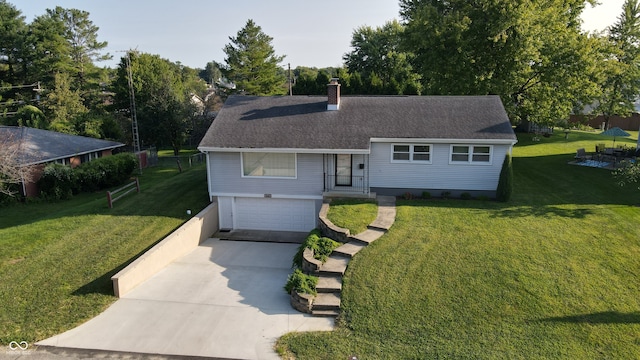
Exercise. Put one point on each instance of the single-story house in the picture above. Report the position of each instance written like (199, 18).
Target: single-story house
(272, 160)
(40, 147)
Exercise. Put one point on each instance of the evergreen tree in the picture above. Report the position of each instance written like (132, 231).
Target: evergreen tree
(252, 63)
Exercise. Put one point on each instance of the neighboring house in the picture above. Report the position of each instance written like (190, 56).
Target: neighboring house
(272, 160)
(40, 147)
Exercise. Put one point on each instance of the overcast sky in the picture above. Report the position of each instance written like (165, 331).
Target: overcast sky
(193, 32)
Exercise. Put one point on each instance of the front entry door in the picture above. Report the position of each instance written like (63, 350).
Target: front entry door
(343, 170)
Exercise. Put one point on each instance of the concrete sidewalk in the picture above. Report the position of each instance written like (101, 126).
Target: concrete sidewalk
(223, 300)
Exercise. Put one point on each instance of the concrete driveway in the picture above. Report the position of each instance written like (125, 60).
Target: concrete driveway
(223, 300)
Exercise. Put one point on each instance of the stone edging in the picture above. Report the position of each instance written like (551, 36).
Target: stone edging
(302, 302)
(330, 230)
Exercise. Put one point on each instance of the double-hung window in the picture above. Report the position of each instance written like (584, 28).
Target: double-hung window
(276, 165)
(471, 154)
(411, 153)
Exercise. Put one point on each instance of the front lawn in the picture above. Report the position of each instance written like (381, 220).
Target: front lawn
(57, 259)
(352, 214)
(551, 274)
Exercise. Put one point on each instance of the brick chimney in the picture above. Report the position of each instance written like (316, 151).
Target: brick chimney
(333, 89)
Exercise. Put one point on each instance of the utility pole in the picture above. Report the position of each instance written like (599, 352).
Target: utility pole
(134, 118)
(290, 81)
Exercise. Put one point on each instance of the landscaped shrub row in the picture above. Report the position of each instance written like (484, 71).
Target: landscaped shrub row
(61, 182)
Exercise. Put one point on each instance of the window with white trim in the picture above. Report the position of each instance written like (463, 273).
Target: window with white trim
(276, 165)
(411, 153)
(471, 154)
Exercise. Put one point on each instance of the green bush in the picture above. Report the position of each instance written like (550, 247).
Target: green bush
(301, 282)
(322, 247)
(445, 194)
(505, 183)
(106, 172)
(426, 195)
(58, 182)
(465, 196)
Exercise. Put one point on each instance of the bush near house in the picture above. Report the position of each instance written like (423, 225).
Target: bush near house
(60, 182)
(321, 246)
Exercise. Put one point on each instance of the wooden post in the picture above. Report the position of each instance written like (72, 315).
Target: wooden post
(109, 200)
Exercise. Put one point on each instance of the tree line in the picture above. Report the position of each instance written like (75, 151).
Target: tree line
(532, 53)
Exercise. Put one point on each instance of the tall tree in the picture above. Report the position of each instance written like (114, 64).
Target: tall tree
(12, 32)
(64, 105)
(620, 78)
(252, 63)
(531, 53)
(378, 57)
(162, 92)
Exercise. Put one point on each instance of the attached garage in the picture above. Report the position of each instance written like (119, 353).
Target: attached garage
(268, 214)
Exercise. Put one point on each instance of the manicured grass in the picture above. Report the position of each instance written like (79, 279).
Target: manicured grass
(552, 274)
(56, 259)
(352, 214)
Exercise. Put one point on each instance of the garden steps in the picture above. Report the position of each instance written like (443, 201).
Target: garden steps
(329, 287)
(329, 284)
(349, 249)
(335, 265)
(368, 236)
(326, 301)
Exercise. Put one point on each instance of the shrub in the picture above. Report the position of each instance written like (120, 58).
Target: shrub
(58, 182)
(465, 196)
(505, 183)
(301, 282)
(483, 198)
(321, 246)
(426, 195)
(446, 194)
(408, 196)
(106, 172)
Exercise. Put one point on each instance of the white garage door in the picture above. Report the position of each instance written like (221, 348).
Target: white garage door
(275, 214)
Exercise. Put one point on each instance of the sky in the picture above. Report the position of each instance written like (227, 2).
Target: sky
(194, 32)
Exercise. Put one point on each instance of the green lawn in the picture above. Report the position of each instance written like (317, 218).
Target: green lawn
(56, 259)
(352, 214)
(552, 274)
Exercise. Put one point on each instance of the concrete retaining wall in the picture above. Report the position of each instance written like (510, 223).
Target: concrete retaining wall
(177, 244)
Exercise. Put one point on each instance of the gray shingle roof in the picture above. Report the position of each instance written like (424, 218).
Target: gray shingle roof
(39, 146)
(303, 122)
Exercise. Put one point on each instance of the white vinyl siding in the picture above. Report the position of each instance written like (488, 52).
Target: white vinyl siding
(471, 154)
(411, 153)
(440, 174)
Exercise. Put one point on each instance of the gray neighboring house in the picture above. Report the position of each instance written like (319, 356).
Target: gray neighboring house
(40, 147)
(272, 160)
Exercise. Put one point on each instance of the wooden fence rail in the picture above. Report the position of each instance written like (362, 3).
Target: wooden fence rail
(127, 189)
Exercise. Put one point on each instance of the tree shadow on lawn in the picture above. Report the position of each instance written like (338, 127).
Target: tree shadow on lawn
(605, 317)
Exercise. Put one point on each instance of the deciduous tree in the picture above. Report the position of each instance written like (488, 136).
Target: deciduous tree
(382, 64)
(531, 53)
(620, 77)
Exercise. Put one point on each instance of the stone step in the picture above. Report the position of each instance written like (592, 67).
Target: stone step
(326, 301)
(368, 236)
(329, 284)
(335, 264)
(349, 249)
(325, 313)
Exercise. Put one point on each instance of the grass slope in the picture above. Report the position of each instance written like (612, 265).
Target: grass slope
(56, 259)
(552, 274)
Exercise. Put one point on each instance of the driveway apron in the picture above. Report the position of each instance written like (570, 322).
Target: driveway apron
(225, 299)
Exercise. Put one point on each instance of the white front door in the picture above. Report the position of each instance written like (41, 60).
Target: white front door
(225, 212)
